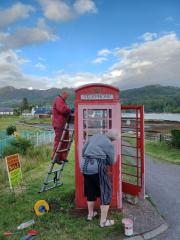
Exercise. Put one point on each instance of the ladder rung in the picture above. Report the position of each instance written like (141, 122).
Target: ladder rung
(63, 150)
(56, 185)
(60, 162)
(66, 140)
(65, 161)
(58, 170)
(69, 129)
(46, 183)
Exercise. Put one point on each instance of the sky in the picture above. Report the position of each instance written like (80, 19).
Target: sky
(69, 43)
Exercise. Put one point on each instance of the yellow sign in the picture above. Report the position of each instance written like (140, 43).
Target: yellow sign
(14, 170)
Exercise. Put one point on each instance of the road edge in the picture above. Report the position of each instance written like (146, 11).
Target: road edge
(150, 234)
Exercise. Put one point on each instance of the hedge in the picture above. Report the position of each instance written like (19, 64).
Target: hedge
(175, 137)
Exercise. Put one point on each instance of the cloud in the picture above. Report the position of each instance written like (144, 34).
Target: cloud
(74, 80)
(12, 75)
(84, 6)
(61, 11)
(147, 63)
(153, 62)
(40, 66)
(149, 36)
(27, 36)
(102, 56)
(56, 10)
(41, 59)
(14, 13)
(11, 57)
(99, 60)
(115, 73)
(104, 52)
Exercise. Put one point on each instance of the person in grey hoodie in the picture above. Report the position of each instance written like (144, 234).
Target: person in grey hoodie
(97, 154)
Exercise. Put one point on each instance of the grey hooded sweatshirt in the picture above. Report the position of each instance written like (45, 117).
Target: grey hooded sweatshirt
(97, 147)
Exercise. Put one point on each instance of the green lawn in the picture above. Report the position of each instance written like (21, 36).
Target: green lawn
(37, 120)
(162, 151)
(61, 222)
(5, 121)
(159, 150)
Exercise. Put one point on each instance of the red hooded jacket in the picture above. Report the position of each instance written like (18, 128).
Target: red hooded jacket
(60, 111)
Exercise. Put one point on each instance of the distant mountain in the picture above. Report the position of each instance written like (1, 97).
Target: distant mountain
(12, 97)
(156, 98)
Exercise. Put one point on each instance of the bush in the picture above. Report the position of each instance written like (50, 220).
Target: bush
(175, 137)
(9, 150)
(10, 129)
(18, 145)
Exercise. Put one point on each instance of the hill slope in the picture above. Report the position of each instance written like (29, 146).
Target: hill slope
(12, 97)
(156, 98)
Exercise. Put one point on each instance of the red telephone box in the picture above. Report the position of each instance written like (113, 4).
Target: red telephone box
(97, 110)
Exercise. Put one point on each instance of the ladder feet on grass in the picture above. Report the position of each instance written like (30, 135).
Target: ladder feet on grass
(53, 178)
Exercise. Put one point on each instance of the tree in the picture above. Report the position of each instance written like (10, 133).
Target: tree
(25, 104)
(10, 129)
(17, 111)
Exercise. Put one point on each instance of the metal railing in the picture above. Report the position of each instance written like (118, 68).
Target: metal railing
(4, 142)
(41, 138)
(158, 137)
(37, 138)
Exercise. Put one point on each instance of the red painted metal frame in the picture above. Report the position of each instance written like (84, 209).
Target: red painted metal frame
(136, 189)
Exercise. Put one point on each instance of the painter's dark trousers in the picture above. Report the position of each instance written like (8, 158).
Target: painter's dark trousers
(101, 180)
(58, 133)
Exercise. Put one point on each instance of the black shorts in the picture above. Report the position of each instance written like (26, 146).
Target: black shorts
(91, 187)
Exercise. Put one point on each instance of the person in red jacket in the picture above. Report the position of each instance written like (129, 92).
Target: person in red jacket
(60, 112)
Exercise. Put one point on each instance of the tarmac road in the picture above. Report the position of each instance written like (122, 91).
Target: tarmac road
(163, 186)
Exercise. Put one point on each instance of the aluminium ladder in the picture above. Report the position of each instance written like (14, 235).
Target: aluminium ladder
(53, 178)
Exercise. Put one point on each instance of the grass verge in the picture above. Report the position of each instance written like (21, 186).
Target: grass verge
(159, 150)
(14, 120)
(162, 151)
(59, 223)
(37, 120)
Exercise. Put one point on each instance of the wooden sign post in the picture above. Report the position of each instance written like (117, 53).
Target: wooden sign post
(14, 170)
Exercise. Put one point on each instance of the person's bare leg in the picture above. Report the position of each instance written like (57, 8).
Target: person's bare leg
(90, 205)
(104, 212)
(104, 222)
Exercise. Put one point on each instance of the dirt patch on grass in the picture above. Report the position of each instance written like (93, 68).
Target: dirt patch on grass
(161, 126)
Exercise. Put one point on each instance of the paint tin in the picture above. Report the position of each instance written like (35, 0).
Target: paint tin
(128, 226)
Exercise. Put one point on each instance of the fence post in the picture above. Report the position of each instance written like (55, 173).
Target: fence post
(37, 140)
(44, 133)
(52, 134)
(49, 137)
(0, 148)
